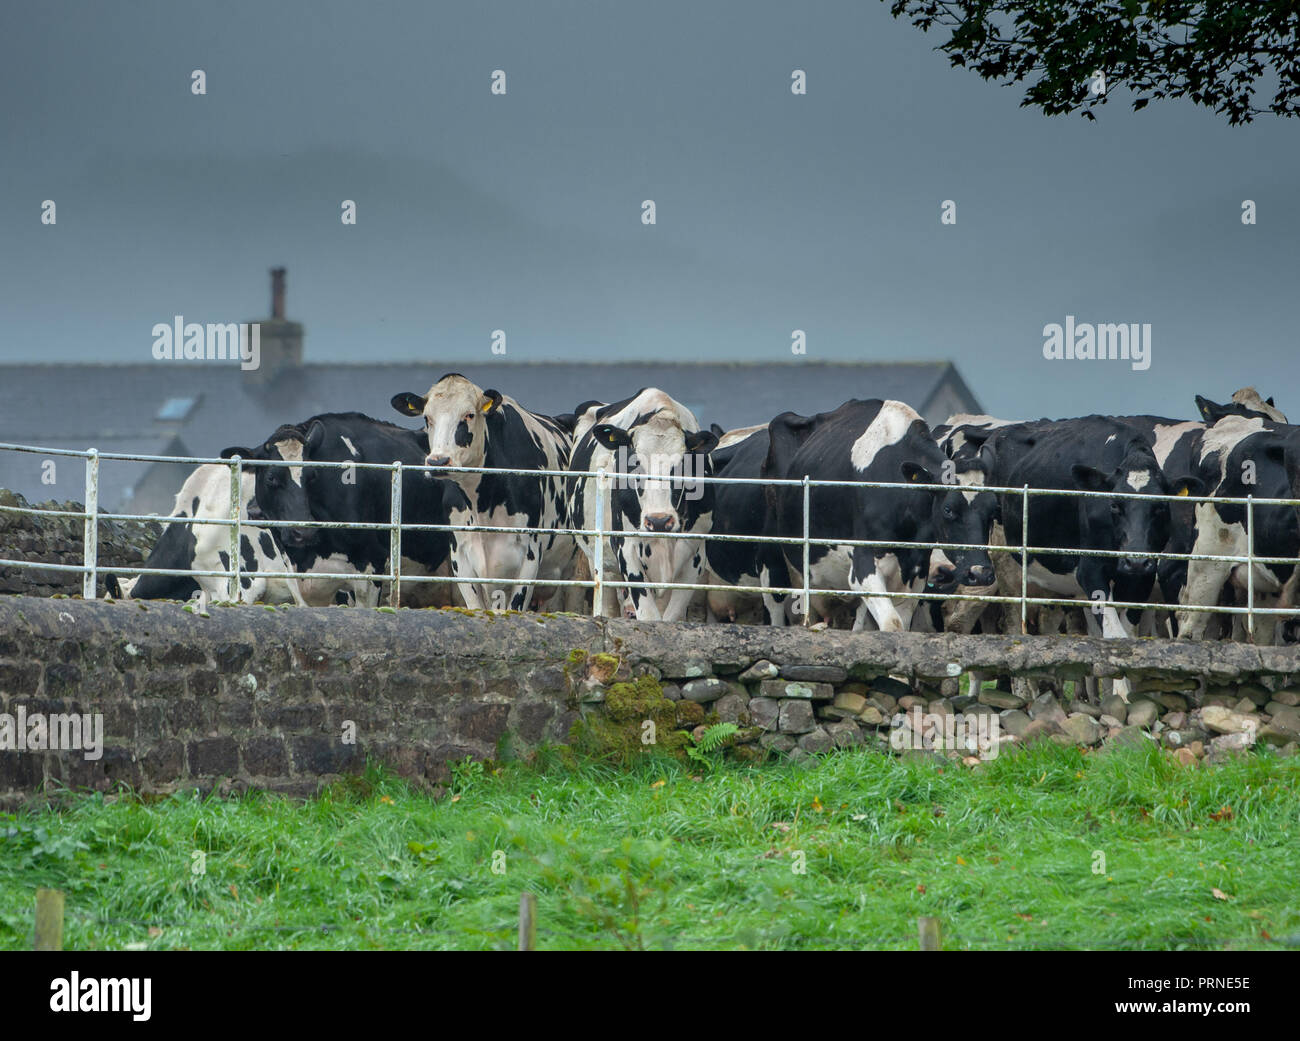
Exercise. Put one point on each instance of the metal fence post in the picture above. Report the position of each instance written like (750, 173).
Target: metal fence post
(807, 607)
(236, 500)
(598, 565)
(90, 532)
(1024, 561)
(1250, 567)
(395, 534)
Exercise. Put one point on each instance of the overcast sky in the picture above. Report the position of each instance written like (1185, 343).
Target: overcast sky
(523, 212)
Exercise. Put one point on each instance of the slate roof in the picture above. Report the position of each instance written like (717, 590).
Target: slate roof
(116, 407)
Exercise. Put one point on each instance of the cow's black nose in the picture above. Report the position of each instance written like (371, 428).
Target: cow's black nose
(979, 575)
(1137, 566)
(297, 536)
(438, 460)
(660, 522)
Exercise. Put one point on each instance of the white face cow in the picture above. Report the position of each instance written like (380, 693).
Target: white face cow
(455, 415)
(654, 452)
(474, 428)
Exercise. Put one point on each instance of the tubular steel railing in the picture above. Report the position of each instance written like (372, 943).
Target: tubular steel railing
(91, 515)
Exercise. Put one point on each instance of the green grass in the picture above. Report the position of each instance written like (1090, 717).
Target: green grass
(1004, 854)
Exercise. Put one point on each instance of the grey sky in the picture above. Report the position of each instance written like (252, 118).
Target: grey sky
(522, 212)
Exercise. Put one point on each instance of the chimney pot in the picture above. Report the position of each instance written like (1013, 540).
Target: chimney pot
(277, 292)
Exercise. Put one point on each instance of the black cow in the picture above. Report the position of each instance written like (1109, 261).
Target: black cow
(1244, 455)
(877, 441)
(741, 509)
(1095, 454)
(360, 495)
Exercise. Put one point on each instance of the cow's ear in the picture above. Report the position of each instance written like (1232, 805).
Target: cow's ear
(611, 437)
(1269, 403)
(1188, 485)
(566, 421)
(243, 453)
(917, 474)
(1089, 478)
(491, 402)
(718, 432)
(701, 441)
(314, 436)
(1210, 411)
(409, 404)
(987, 458)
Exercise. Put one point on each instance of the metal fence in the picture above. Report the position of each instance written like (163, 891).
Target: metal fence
(89, 568)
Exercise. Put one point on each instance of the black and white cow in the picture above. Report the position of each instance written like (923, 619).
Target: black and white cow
(206, 547)
(1241, 456)
(1245, 402)
(651, 447)
(467, 426)
(1095, 454)
(873, 441)
(344, 494)
(741, 509)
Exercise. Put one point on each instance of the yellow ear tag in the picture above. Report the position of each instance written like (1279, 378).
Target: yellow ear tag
(1183, 491)
(915, 477)
(487, 406)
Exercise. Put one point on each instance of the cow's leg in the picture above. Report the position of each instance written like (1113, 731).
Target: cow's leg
(907, 608)
(1206, 578)
(689, 561)
(468, 562)
(530, 548)
(295, 588)
(773, 573)
(867, 576)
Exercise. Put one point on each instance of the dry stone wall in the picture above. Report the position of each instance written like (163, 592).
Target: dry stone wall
(284, 699)
(59, 540)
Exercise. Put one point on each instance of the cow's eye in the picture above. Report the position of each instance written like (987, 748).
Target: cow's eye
(947, 512)
(467, 418)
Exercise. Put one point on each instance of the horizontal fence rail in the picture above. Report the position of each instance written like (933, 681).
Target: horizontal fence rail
(598, 533)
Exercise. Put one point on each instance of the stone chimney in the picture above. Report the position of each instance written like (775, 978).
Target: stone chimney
(281, 339)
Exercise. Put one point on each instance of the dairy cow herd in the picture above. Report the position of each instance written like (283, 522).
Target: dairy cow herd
(869, 548)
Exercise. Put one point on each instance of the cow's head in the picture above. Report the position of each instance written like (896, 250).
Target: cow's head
(656, 463)
(1135, 527)
(284, 493)
(456, 414)
(962, 514)
(1245, 402)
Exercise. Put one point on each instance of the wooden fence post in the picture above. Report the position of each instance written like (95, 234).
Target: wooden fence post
(527, 921)
(929, 931)
(49, 920)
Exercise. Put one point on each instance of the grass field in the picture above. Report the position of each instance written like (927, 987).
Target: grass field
(844, 853)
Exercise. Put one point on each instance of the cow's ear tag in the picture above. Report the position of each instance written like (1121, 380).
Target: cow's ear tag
(487, 405)
(915, 477)
(1182, 490)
